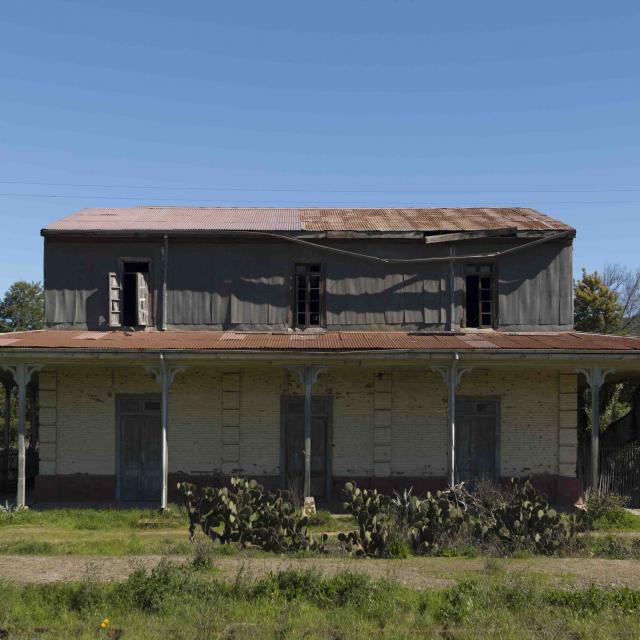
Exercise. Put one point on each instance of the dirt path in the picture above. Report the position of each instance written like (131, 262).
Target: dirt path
(419, 573)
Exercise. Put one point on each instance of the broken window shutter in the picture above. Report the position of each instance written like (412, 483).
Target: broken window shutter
(115, 305)
(143, 299)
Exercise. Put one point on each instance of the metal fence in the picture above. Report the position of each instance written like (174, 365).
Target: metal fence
(9, 469)
(619, 468)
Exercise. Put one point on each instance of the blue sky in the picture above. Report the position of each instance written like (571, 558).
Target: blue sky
(331, 103)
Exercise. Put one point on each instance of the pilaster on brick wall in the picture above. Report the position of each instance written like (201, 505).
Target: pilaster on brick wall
(568, 425)
(230, 422)
(48, 419)
(382, 398)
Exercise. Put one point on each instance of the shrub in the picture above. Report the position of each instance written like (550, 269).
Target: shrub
(611, 547)
(148, 591)
(203, 553)
(604, 510)
(341, 590)
(248, 514)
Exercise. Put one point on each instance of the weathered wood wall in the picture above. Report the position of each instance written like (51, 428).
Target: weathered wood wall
(246, 284)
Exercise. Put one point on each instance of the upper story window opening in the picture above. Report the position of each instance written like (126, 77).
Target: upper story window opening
(479, 296)
(309, 292)
(129, 294)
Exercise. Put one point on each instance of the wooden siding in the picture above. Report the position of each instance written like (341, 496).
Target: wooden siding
(246, 285)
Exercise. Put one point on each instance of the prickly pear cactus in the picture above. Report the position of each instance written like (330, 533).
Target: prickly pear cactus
(524, 520)
(247, 514)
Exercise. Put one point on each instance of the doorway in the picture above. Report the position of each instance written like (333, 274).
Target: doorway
(139, 454)
(477, 439)
(292, 445)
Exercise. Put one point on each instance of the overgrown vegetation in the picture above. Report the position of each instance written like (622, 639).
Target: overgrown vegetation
(179, 602)
(505, 522)
(248, 514)
(606, 511)
(609, 546)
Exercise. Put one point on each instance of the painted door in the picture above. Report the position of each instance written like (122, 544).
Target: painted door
(293, 421)
(477, 437)
(140, 450)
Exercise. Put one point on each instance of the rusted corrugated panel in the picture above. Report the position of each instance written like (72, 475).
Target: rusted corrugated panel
(331, 341)
(436, 219)
(319, 220)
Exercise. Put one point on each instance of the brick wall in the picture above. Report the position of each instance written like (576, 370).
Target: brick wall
(385, 422)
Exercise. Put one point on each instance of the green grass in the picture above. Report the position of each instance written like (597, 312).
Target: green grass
(618, 520)
(147, 531)
(97, 519)
(174, 602)
(323, 521)
(112, 531)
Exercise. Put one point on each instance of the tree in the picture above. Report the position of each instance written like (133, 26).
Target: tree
(625, 282)
(22, 308)
(597, 308)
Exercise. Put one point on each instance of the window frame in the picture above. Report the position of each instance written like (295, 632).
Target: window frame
(294, 295)
(475, 269)
(150, 292)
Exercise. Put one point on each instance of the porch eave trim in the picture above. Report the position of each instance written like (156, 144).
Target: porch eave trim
(20, 353)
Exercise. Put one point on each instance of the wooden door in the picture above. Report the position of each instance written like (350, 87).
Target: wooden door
(293, 445)
(140, 448)
(477, 439)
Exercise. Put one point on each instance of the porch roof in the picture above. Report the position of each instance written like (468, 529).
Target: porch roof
(332, 341)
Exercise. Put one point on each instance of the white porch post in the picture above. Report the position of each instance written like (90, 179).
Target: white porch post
(21, 375)
(307, 376)
(451, 374)
(164, 375)
(595, 379)
(8, 386)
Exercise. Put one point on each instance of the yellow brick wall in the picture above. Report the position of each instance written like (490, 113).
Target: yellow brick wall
(529, 412)
(385, 422)
(419, 424)
(85, 425)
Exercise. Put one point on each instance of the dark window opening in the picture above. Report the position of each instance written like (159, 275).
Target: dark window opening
(479, 296)
(308, 295)
(129, 285)
(134, 301)
(135, 267)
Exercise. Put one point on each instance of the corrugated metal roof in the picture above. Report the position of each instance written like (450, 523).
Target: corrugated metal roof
(331, 341)
(194, 219)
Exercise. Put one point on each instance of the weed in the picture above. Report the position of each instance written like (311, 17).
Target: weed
(204, 552)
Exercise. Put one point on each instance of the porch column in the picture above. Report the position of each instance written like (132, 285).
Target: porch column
(22, 375)
(164, 375)
(595, 379)
(452, 374)
(307, 376)
(33, 413)
(8, 387)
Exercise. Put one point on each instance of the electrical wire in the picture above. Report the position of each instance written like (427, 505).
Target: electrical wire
(312, 190)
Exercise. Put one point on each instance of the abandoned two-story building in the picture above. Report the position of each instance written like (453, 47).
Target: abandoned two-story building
(304, 347)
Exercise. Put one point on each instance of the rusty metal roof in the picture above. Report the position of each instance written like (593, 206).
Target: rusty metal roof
(201, 219)
(491, 341)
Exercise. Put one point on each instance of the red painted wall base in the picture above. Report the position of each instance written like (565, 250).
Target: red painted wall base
(89, 488)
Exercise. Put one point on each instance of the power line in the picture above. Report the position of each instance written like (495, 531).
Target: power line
(299, 203)
(312, 190)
